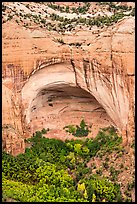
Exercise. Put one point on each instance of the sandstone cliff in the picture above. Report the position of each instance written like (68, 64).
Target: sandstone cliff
(38, 69)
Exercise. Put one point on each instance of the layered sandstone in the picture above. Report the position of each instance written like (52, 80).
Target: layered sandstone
(78, 81)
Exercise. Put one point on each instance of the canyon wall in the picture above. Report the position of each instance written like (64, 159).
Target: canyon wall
(33, 61)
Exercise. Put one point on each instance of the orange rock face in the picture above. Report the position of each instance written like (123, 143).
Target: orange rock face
(38, 71)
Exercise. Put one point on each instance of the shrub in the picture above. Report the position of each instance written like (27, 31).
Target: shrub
(71, 129)
(9, 17)
(17, 21)
(4, 8)
(44, 131)
(78, 131)
(61, 41)
(43, 21)
(27, 6)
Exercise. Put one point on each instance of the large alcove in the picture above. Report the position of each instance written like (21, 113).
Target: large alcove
(53, 100)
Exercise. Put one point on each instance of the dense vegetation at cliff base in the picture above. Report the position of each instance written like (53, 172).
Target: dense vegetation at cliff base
(53, 171)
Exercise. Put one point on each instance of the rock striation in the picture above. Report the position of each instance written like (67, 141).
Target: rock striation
(49, 84)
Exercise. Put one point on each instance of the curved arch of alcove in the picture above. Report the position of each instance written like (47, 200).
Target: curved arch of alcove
(52, 99)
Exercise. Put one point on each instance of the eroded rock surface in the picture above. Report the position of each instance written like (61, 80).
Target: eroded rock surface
(49, 84)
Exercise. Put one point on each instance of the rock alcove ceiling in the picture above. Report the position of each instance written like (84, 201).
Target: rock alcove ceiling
(53, 100)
